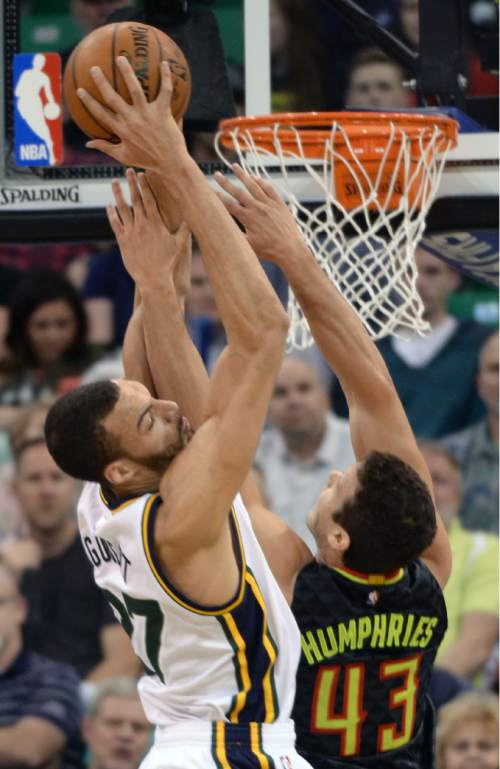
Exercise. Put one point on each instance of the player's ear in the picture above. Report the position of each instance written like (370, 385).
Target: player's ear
(338, 538)
(119, 472)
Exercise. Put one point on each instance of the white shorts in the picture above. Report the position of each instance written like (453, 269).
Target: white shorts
(221, 745)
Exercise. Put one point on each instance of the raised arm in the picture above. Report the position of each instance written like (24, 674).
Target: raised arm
(221, 452)
(376, 416)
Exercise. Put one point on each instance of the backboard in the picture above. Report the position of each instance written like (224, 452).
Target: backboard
(68, 202)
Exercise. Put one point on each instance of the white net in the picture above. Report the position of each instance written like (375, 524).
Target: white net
(365, 232)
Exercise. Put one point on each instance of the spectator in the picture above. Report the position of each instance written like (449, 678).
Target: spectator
(467, 733)
(40, 707)
(46, 340)
(304, 442)
(445, 686)
(375, 81)
(446, 360)
(115, 729)
(471, 594)
(69, 619)
(476, 449)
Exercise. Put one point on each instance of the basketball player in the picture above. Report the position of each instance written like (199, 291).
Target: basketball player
(370, 609)
(371, 612)
(182, 568)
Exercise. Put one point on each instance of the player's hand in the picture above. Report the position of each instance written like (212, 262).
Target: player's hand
(148, 135)
(152, 256)
(270, 227)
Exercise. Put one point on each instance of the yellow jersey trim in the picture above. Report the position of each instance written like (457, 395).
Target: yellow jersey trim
(126, 503)
(255, 744)
(241, 656)
(268, 646)
(185, 603)
(371, 579)
(220, 744)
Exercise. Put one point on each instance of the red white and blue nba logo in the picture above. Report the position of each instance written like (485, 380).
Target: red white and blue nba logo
(37, 109)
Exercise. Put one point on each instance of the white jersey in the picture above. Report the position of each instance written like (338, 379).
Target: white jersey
(234, 663)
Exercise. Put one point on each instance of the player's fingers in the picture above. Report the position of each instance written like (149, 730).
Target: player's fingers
(99, 111)
(135, 194)
(236, 191)
(250, 182)
(133, 85)
(111, 98)
(148, 199)
(166, 88)
(268, 189)
(114, 220)
(232, 206)
(122, 207)
(182, 235)
(109, 148)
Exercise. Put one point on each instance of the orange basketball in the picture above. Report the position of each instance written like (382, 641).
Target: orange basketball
(145, 47)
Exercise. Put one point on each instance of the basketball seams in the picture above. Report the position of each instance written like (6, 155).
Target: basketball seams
(84, 107)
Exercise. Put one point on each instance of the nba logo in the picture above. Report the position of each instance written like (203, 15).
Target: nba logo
(37, 109)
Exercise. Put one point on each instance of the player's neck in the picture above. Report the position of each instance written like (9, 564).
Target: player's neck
(55, 542)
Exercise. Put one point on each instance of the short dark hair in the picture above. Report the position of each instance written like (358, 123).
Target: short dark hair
(368, 56)
(391, 518)
(76, 438)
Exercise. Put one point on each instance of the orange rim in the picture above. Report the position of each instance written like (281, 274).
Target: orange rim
(367, 132)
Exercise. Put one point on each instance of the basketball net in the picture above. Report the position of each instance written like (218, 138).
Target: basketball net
(376, 198)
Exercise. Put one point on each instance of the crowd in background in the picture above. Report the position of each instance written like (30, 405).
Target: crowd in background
(68, 694)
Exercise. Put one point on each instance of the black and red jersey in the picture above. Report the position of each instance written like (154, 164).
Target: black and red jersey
(368, 647)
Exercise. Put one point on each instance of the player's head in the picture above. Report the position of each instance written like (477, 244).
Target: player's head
(46, 495)
(38, 61)
(115, 433)
(47, 320)
(375, 517)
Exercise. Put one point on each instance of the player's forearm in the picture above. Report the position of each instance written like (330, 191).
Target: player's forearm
(169, 206)
(177, 369)
(336, 328)
(246, 301)
(135, 362)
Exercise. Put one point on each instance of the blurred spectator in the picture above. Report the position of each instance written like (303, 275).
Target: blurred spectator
(375, 81)
(115, 728)
(467, 733)
(435, 375)
(476, 449)
(46, 340)
(108, 293)
(40, 707)
(69, 619)
(90, 14)
(304, 442)
(9, 278)
(47, 256)
(472, 591)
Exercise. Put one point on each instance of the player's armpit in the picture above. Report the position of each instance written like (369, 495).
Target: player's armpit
(286, 553)
(31, 742)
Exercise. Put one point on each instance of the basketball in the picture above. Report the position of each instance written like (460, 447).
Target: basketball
(145, 47)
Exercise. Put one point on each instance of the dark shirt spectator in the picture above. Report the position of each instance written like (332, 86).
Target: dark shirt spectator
(109, 298)
(69, 619)
(40, 708)
(445, 686)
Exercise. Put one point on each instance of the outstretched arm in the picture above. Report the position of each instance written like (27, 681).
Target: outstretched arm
(377, 418)
(183, 377)
(220, 454)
